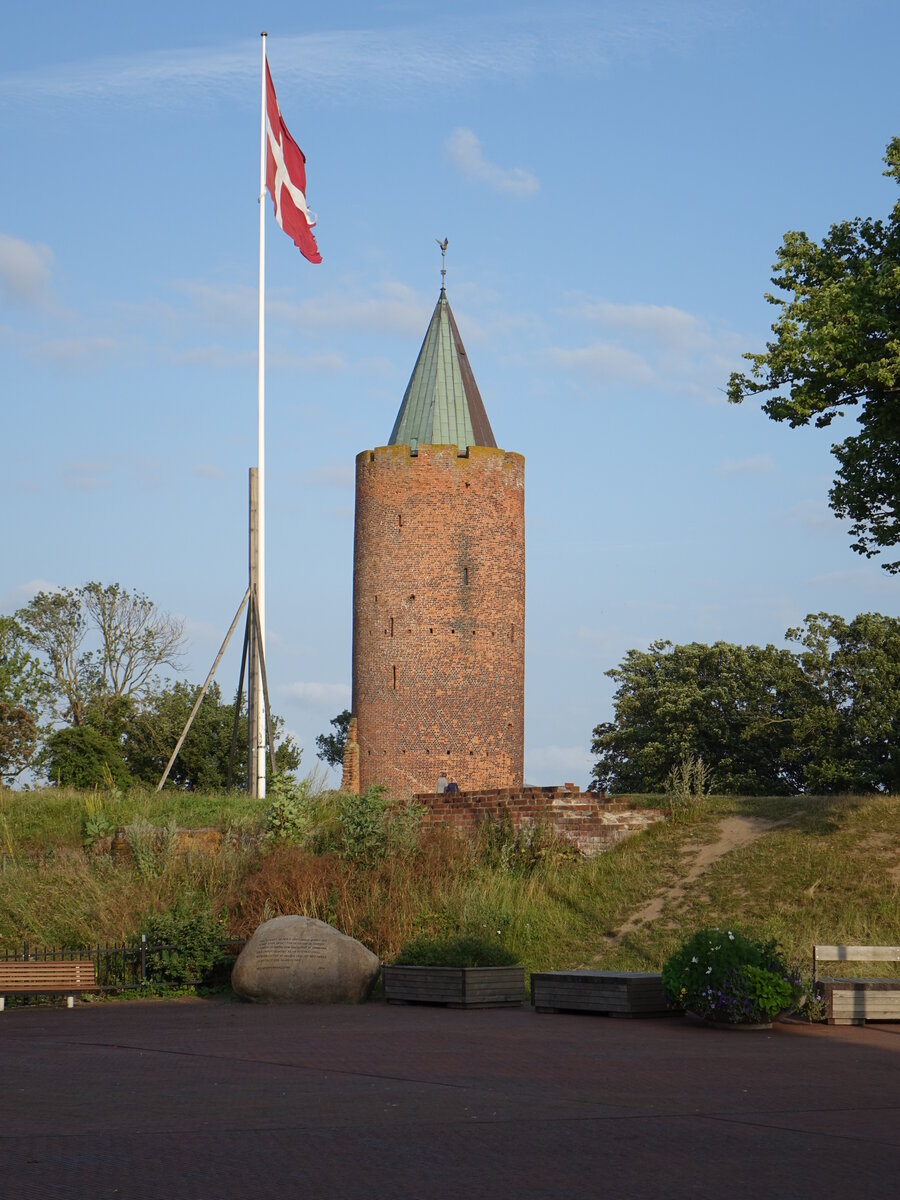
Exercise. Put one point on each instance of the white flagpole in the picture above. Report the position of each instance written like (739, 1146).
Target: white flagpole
(260, 733)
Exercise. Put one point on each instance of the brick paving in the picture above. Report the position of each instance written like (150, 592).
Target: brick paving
(209, 1100)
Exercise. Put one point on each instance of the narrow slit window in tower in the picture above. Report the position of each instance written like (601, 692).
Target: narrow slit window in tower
(392, 626)
(394, 669)
(465, 575)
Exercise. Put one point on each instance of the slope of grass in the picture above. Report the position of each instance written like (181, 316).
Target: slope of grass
(830, 873)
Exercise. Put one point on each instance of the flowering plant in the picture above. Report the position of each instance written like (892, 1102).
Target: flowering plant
(722, 975)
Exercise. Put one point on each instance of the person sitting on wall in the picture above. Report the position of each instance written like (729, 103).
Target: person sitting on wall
(452, 786)
(441, 785)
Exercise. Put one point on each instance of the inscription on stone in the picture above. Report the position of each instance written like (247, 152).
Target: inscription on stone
(286, 951)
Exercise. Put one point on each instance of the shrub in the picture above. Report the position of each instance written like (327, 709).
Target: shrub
(500, 846)
(722, 975)
(687, 785)
(455, 952)
(83, 757)
(183, 942)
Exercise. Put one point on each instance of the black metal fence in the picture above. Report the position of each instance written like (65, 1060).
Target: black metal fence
(118, 967)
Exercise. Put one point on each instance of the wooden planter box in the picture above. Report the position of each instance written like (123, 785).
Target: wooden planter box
(853, 1001)
(455, 987)
(614, 993)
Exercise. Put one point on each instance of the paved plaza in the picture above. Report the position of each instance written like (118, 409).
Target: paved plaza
(210, 1100)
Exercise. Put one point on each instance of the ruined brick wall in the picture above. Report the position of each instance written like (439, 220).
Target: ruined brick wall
(591, 824)
(438, 617)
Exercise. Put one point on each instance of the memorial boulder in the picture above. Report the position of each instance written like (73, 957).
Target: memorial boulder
(298, 960)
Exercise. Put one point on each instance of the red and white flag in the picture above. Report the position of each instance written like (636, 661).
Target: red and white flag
(286, 179)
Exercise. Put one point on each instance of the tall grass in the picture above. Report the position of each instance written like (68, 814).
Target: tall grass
(830, 873)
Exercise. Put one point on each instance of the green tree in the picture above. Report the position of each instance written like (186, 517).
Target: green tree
(850, 734)
(80, 756)
(22, 696)
(733, 706)
(331, 745)
(151, 732)
(837, 346)
(99, 648)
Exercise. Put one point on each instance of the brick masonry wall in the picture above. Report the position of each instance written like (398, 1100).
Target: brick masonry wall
(438, 617)
(590, 823)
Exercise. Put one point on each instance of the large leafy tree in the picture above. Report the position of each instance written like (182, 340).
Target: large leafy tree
(22, 696)
(850, 734)
(822, 718)
(837, 346)
(733, 706)
(152, 731)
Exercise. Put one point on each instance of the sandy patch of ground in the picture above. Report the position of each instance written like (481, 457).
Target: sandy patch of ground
(733, 834)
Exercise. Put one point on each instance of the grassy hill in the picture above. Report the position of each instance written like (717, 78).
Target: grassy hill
(817, 869)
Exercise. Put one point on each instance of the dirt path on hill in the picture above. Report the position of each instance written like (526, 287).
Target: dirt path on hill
(734, 833)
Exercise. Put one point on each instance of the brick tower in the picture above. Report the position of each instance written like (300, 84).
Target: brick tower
(439, 587)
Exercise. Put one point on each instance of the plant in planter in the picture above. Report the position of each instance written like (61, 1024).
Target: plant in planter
(464, 972)
(728, 978)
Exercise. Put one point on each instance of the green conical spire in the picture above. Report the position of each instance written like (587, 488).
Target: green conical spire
(442, 404)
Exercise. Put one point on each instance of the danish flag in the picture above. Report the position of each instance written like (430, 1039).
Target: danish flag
(286, 179)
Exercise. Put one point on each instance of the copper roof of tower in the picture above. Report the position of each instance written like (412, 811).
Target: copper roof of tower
(442, 404)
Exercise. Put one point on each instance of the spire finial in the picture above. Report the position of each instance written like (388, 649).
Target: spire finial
(443, 245)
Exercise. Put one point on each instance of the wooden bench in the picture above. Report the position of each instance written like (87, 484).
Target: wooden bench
(613, 993)
(855, 1001)
(66, 977)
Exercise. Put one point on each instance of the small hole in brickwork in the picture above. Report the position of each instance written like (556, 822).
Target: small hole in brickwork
(467, 483)
(400, 520)
(453, 631)
(448, 751)
(413, 596)
(431, 629)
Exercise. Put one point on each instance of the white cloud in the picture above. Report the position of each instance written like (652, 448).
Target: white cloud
(440, 54)
(603, 360)
(756, 464)
(22, 593)
(24, 270)
(89, 351)
(465, 152)
(651, 345)
(316, 695)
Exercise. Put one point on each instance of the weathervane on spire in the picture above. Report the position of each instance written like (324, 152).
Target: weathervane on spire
(443, 245)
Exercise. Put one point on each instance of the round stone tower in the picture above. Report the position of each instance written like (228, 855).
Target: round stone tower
(439, 587)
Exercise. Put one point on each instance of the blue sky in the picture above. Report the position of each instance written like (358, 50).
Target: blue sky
(614, 179)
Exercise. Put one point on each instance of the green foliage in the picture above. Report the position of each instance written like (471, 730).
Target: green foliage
(502, 847)
(191, 935)
(331, 745)
(18, 739)
(82, 757)
(98, 645)
(152, 730)
(455, 952)
(95, 824)
(151, 846)
(824, 718)
(732, 706)
(290, 815)
(687, 786)
(362, 829)
(836, 345)
(723, 975)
